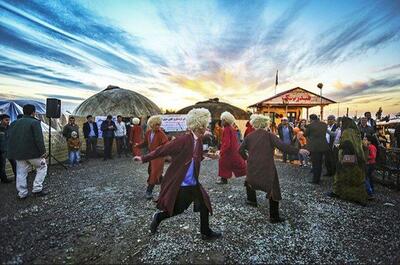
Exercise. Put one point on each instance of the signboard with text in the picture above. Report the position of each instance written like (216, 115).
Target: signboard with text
(174, 123)
(297, 97)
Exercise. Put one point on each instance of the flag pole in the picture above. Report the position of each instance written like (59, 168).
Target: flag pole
(276, 80)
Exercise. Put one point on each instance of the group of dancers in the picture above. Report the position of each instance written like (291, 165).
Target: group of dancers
(180, 186)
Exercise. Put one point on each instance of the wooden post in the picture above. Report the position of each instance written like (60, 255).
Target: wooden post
(307, 114)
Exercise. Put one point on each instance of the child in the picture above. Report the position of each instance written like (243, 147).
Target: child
(370, 165)
(74, 144)
(302, 141)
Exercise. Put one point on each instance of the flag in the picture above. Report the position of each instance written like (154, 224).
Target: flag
(276, 78)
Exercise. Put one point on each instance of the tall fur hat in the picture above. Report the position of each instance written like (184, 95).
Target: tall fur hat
(153, 120)
(228, 117)
(198, 118)
(135, 121)
(259, 121)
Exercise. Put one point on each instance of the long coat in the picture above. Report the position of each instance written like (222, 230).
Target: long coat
(135, 137)
(258, 149)
(230, 161)
(181, 151)
(25, 139)
(316, 137)
(156, 166)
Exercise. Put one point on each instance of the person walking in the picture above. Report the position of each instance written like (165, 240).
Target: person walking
(4, 135)
(153, 139)
(180, 186)
(120, 137)
(136, 137)
(91, 134)
(230, 161)
(317, 145)
(285, 132)
(26, 146)
(108, 128)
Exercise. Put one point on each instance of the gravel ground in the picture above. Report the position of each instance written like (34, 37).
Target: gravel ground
(97, 213)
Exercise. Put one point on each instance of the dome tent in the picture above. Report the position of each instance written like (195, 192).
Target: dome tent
(117, 101)
(14, 107)
(216, 108)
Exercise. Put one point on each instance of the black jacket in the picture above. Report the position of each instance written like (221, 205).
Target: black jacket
(332, 136)
(316, 136)
(86, 129)
(280, 132)
(25, 139)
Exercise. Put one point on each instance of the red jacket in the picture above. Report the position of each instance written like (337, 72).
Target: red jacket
(249, 129)
(371, 154)
(230, 161)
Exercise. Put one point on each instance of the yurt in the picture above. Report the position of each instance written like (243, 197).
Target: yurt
(216, 107)
(117, 101)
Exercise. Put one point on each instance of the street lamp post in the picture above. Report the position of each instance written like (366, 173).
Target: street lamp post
(320, 85)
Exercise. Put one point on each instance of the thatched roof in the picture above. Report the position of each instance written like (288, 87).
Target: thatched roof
(114, 101)
(216, 108)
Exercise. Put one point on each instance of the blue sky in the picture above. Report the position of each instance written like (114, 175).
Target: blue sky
(180, 52)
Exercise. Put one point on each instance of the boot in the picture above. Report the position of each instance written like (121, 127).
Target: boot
(222, 181)
(251, 195)
(157, 218)
(274, 212)
(149, 192)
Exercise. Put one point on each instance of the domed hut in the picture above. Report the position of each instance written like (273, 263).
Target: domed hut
(117, 101)
(216, 108)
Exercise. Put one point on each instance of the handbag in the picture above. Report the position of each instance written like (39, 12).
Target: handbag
(349, 160)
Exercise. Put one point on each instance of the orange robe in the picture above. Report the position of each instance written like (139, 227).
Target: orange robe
(156, 166)
(136, 137)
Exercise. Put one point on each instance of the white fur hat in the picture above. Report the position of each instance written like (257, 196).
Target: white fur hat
(153, 120)
(135, 121)
(198, 118)
(228, 117)
(259, 121)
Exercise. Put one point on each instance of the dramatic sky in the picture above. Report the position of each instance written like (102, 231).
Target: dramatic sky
(180, 52)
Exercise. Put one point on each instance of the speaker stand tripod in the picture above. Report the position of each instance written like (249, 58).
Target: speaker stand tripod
(50, 155)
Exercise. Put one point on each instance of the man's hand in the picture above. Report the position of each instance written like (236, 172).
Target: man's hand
(137, 159)
(304, 152)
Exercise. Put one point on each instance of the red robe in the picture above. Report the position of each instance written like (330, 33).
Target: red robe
(135, 137)
(230, 160)
(156, 166)
(249, 129)
(181, 151)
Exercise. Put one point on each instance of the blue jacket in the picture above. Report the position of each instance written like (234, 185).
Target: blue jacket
(107, 132)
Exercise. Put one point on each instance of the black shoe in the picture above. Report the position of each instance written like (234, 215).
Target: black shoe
(22, 198)
(149, 195)
(222, 181)
(276, 220)
(331, 194)
(154, 224)
(40, 193)
(251, 203)
(313, 182)
(211, 236)
(5, 181)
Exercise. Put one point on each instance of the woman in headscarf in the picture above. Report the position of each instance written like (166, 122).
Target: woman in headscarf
(349, 180)
(258, 149)
(230, 161)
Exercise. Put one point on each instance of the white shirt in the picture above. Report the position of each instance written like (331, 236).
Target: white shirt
(121, 129)
(328, 133)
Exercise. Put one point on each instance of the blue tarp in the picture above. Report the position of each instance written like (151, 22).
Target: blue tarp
(14, 107)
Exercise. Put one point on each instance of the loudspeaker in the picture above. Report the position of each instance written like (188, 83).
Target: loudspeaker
(53, 108)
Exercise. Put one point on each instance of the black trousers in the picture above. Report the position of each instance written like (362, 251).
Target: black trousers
(3, 175)
(273, 205)
(316, 160)
(186, 196)
(121, 145)
(330, 163)
(108, 142)
(91, 147)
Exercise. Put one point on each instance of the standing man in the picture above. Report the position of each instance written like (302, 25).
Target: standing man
(91, 133)
(120, 136)
(330, 162)
(4, 135)
(70, 127)
(285, 132)
(370, 121)
(317, 145)
(365, 129)
(180, 187)
(26, 146)
(108, 128)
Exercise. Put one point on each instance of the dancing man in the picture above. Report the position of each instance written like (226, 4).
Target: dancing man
(230, 161)
(154, 138)
(258, 149)
(180, 186)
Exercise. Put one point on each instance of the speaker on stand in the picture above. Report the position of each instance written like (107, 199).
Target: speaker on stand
(53, 111)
